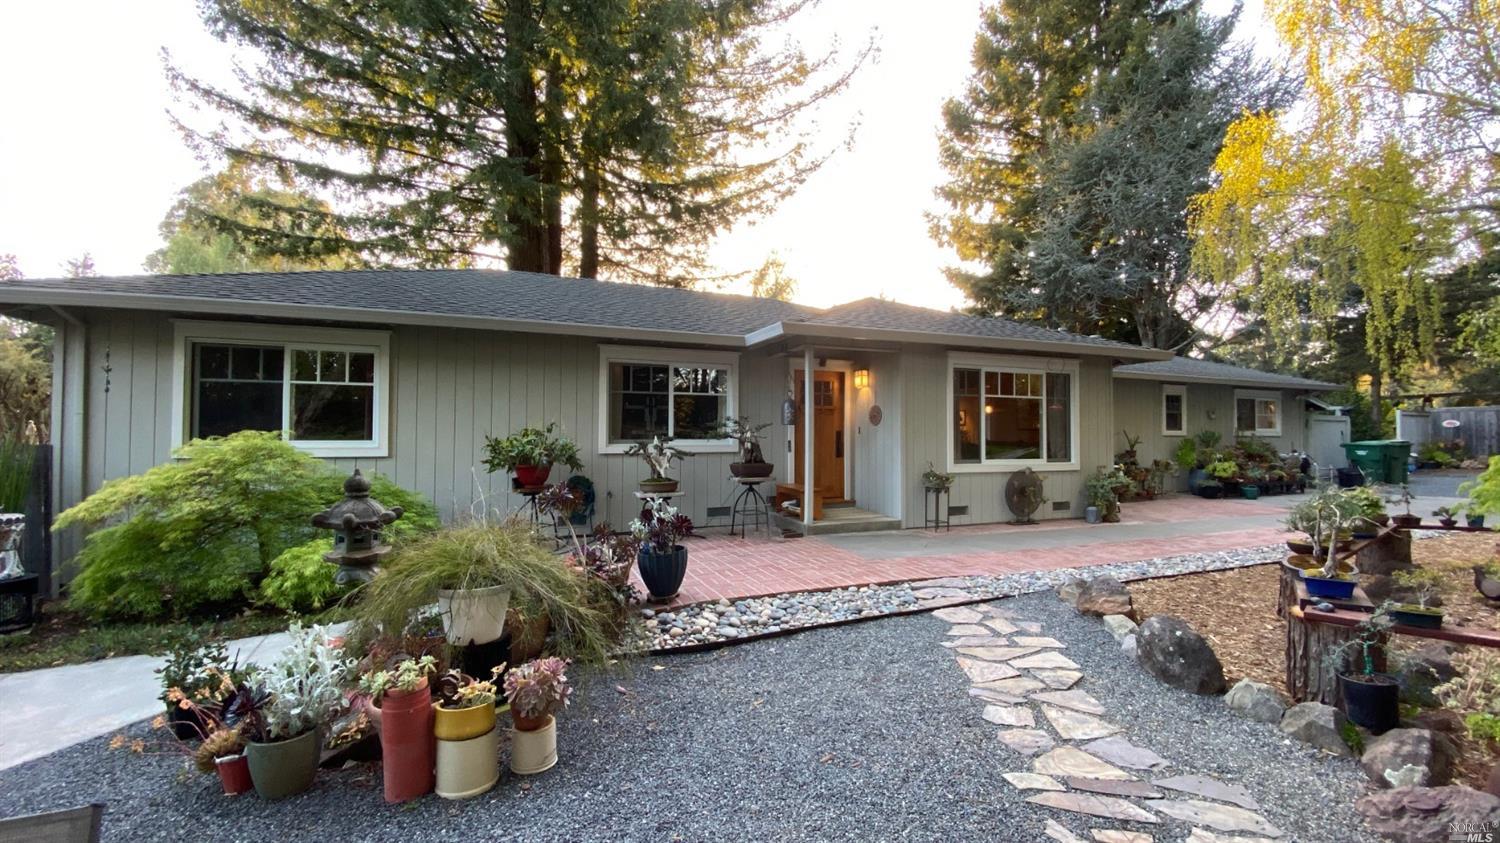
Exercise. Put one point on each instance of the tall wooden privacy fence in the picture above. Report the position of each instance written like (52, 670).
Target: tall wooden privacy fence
(1478, 428)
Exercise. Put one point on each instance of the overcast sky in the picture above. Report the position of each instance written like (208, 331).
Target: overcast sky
(90, 161)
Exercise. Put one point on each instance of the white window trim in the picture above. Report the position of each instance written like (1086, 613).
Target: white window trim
(1259, 395)
(189, 332)
(1181, 392)
(668, 357)
(1034, 365)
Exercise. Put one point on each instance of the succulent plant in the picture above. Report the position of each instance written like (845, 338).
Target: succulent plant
(538, 688)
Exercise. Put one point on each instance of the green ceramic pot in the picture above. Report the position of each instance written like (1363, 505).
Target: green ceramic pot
(283, 768)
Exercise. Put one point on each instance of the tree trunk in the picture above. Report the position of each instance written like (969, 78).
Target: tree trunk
(1310, 677)
(1377, 410)
(588, 223)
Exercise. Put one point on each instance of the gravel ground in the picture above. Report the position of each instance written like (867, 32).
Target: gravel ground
(849, 733)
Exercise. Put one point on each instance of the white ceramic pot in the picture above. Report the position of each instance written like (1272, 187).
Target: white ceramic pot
(474, 615)
(534, 752)
(468, 768)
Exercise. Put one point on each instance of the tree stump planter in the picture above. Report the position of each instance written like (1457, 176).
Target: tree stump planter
(1309, 676)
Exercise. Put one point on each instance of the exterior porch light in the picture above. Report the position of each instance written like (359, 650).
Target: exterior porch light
(861, 378)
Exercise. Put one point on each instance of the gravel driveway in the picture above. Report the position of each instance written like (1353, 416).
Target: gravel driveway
(863, 732)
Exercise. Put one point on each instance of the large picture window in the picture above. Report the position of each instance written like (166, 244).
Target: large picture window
(1257, 413)
(1012, 414)
(665, 392)
(322, 390)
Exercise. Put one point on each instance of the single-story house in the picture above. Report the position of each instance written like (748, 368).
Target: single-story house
(1164, 401)
(405, 371)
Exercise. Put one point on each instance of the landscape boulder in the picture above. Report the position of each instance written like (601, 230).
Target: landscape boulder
(1171, 651)
(1103, 596)
(1068, 592)
(1129, 647)
(1423, 669)
(1119, 626)
(1403, 757)
(1423, 814)
(1321, 725)
(1255, 700)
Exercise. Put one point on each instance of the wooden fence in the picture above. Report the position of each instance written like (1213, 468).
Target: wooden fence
(1478, 428)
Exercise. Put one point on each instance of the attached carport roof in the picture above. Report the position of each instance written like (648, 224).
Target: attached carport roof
(1190, 370)
(529, 302)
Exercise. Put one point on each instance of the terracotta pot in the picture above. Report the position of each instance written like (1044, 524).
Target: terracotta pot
(461, 724)
(534, 751)
(469, 767)
(532, 476)
(1407, 521)
(234, 774)
(524, 723)
(407, 743)
(284, 768)
(474, 615)
(751, 469)
(660, 487)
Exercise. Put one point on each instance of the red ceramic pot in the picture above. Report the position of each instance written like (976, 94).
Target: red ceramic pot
(234, 774)
(527, 724)
(407, 745)
(532, 476)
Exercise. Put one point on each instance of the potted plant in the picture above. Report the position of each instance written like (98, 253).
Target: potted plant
(399, 699)
(468, 744)
(1422, 586)
(292, 701)
(1474, 520)
(1225, 471)
(1187, 460)
(1406, 520)
(752, 462)
(199, 675)
(1487, 579)
(535, 691)
(1101, 490)
(1251, 478)
(1326, 519)
(224, 750)
(221, 749)
(936, 481)
(1210, 489)
(1447, 515)
(530, 454)
(1370, 698)
(662, 560)
(658, 455)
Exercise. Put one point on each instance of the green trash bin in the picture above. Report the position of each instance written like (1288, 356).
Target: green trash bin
(1397, 460)
(1369, 457)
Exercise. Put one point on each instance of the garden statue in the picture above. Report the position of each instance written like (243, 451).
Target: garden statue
(356, 522)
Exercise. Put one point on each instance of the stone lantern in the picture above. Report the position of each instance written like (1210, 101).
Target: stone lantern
(356, 522)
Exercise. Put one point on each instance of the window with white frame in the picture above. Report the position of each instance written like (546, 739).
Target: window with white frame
(665, 392)
(1173, 410)
(1257, 413)
(324, 388)
(1009, 412)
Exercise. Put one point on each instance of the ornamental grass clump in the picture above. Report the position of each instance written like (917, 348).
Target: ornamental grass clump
(477, 554)
(204, 532)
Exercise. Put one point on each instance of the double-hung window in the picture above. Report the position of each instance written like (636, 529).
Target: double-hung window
(1173, 410)
(1257, 413)
(324, 389)
(1011, 412)
(647, 392)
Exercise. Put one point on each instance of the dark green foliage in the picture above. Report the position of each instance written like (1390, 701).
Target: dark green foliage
(201, 531)
(16, 460)
(607, 136)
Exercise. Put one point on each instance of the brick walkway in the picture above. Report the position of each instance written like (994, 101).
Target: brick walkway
(721, 566)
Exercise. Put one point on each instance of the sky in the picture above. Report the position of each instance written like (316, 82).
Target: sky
(90, 159)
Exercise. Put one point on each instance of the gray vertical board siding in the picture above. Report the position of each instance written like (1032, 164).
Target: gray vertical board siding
(1479, 428)
(876, 450)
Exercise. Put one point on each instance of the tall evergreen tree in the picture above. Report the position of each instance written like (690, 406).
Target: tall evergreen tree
(1034, 63)
(611, 135)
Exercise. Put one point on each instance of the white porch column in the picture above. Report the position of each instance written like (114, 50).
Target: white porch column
(808, 481)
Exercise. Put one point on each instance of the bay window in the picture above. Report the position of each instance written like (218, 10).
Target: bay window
(683, 394)
(1011, 412)
(322, 388)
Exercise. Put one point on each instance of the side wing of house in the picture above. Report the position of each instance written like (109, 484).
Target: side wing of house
(1162, 414)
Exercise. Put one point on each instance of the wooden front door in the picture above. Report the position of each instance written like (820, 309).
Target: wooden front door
(828, 433)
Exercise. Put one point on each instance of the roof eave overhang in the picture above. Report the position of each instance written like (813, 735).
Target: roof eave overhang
(237, 307)
(845, 332)
(1308, 386)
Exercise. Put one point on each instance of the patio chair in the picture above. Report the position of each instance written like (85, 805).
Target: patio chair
(74, 825)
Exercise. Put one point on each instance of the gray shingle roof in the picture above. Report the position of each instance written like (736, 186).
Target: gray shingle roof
(460, 292)
(1207, 371)
(888, 315)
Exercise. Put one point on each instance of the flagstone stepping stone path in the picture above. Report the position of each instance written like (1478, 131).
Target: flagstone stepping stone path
(1082, 766)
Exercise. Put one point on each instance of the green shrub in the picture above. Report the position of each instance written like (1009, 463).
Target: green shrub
(1484, 490)
(199, 533)
(16, 458)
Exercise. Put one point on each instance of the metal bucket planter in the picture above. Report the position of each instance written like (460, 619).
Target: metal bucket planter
(284, 768)
(662, 572)
(534, 751)
(406, 743)
(469, 767)
(474, 615)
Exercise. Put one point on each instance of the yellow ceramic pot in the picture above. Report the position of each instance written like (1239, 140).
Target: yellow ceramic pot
(464, 723)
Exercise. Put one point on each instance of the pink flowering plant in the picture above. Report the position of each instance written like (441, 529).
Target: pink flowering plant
(538, 688)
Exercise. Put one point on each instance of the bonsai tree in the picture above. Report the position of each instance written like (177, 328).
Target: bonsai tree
(658, 455)
(1447, 515)
(1323, 518)
(531, 447)
(936, 480)
(746, 434)
(1421, 584)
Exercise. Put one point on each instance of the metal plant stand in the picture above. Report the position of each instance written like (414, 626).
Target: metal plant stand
(939, 519)
(750, 509)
